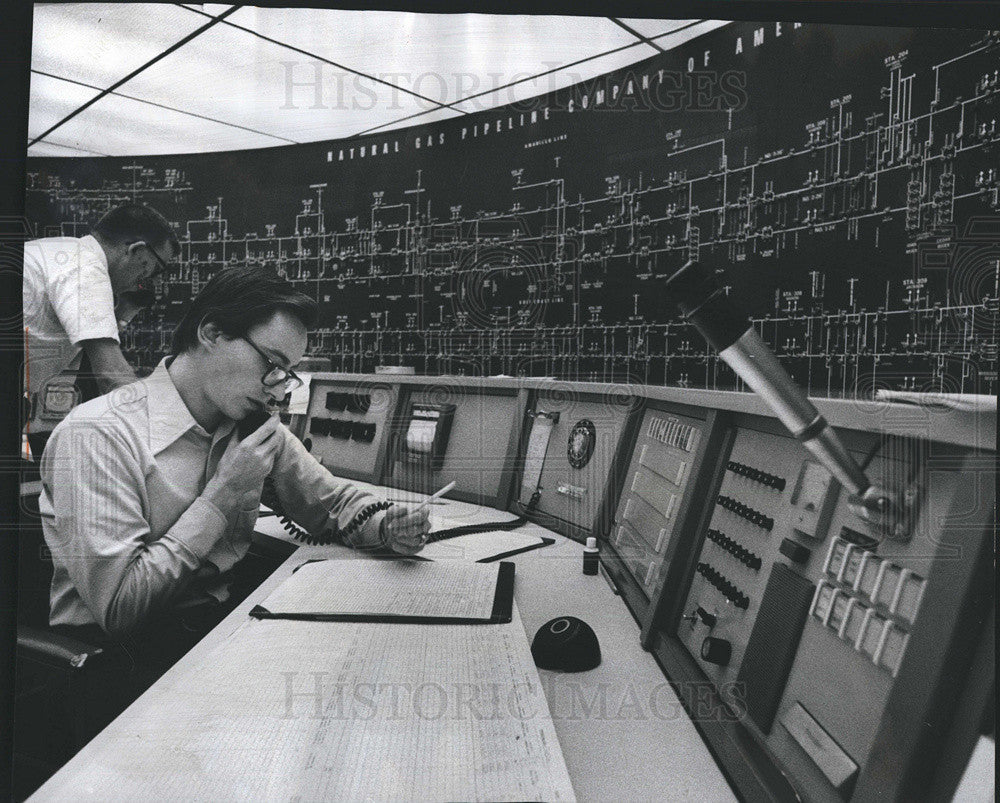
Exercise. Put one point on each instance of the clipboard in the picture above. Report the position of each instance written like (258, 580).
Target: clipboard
(501, 613)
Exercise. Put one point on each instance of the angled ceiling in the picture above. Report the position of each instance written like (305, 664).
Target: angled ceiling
(122, 79)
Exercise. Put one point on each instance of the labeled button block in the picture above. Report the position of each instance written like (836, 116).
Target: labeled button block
(835, 558)
(868, 575)
(822, 601)
(852, 565)
(838, 610)
(853, 622)
(888, 586)
(893, 648)
(872, 633)
(911, 591)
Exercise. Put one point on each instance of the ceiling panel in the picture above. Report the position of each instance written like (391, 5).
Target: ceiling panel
(559, 79)
(231, 75)
(260, 93)
(441, 56)
(100, 43)
(127, 127)
(653, 28)
(53, 99)
(48, 148)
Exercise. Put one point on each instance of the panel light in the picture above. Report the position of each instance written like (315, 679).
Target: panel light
(234, 76)
(127, 127)
(52, 99)
(47, 148)
(679, 37)
(100, 43)
(444, 57)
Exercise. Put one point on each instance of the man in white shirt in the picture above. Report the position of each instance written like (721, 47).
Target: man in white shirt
(69, 293)
(149, 495)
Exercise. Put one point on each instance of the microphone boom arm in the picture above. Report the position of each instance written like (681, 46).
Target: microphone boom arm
(703, 304)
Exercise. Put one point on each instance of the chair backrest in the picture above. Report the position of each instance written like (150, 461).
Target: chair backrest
(34, 567)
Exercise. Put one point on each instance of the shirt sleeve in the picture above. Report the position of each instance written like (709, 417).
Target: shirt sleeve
(318, 501)
(95, 523)
(80, 293)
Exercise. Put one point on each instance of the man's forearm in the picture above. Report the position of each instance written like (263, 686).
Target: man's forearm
(114, 373)
(318, 501)
(111, 369)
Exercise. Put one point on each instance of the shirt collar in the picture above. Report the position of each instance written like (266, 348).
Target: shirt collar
(169, 417)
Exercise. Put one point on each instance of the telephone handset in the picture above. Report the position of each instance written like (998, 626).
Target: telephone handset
(252, 423)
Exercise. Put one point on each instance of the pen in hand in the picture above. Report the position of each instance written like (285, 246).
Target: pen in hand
(430, 500)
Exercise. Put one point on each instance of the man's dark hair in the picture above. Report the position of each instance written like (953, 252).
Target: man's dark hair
(130, 223)
(239, 298)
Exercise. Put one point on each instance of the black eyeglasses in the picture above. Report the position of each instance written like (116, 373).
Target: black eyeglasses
(164, 267)
(275, 373)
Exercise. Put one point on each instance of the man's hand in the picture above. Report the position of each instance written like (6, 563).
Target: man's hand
(128, 305)
(244, 465)
(403, 531)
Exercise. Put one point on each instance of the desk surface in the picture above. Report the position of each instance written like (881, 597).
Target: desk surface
(623, 732)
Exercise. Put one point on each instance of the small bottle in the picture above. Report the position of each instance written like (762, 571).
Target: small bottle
(590, 557)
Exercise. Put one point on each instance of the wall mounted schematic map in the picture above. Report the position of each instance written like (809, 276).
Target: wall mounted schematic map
(842, 180)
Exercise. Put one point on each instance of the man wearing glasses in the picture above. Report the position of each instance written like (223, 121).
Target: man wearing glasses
(70, 291)
(149, 493)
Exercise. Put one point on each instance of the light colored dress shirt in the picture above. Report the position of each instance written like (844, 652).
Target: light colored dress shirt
(67, 299)
(124, 516)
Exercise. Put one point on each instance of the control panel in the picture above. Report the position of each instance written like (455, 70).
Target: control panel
(346, 426)
(571, 443)
(460, 434)
(801, 613)
(752, 522)
(839, 657)
(651, 502)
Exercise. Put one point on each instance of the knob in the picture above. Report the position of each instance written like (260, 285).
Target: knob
(716, 650)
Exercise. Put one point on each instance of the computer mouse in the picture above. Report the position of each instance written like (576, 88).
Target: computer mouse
(566, 644)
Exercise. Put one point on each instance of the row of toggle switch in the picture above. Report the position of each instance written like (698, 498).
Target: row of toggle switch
(727, 589)
(735, 548)
(755, 474)
(351, 402)
(746, 512)
(344, 429)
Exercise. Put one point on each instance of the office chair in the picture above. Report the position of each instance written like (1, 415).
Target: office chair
(65, 690)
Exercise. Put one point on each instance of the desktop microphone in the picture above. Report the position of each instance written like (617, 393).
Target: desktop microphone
(704, 304)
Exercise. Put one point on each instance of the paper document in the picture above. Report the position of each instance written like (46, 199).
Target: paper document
(388, 588)
(336, 711)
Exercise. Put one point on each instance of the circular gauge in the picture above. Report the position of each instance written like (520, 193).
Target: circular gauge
(582, 438)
